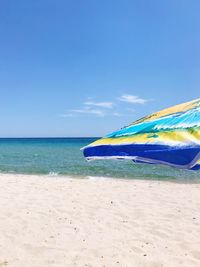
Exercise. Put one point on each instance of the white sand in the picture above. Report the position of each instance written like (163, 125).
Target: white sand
(47, 221)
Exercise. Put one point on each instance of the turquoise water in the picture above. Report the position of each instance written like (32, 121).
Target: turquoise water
(62, 156)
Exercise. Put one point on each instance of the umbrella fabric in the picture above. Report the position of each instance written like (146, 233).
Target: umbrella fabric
(169, 137)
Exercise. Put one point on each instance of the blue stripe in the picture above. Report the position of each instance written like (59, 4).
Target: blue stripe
(171, 155)
(196, 167)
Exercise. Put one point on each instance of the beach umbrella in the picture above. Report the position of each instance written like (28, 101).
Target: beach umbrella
(169, 137)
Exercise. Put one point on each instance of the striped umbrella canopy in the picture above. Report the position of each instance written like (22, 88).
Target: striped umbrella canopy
(170, 137)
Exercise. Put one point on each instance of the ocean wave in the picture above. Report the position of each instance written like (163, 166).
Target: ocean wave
(99, 177)
(53, 173)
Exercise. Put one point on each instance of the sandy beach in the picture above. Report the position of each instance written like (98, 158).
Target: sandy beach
(48, 221)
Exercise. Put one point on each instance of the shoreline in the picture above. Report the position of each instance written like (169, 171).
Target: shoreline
(90, 177)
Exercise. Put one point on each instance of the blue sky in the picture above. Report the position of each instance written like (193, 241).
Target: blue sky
(86, 68)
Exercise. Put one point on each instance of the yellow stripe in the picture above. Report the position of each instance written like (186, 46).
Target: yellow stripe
(172, 110)
(178, 136)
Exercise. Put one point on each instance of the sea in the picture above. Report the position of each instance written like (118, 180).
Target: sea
(63, 157)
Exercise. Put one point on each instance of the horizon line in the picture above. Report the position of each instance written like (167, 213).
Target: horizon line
(40, 137)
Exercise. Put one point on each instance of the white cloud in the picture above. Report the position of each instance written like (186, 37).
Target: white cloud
(116, 114)
(101, 109)
(133, 99)
(66, 115)
(97, 112)
(99, 104)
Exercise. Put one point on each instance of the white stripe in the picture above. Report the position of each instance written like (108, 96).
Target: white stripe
(186, 166)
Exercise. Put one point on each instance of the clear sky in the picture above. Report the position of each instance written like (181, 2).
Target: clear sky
(86, 68)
